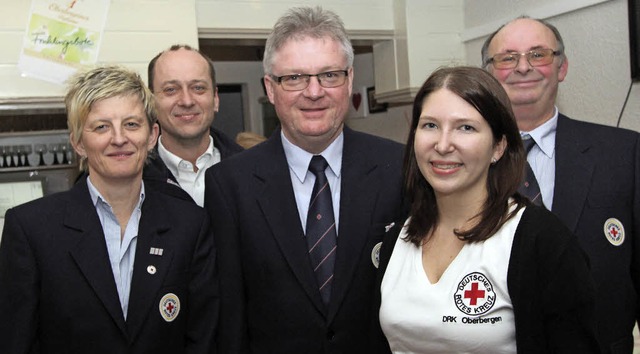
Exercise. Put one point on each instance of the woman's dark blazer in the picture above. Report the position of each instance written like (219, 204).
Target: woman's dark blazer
(57, 290)
(549, 283)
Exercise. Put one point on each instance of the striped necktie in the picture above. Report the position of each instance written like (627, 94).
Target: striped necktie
(321, 228)
(529, 187)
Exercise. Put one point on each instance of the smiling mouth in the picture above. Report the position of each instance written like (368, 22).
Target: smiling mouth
(120, 154)
(314, 113)
(446, 166)
(524, 83)
(186, 116)
(312, 109)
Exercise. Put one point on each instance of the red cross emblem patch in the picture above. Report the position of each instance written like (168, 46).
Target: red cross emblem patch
(169, 307)
(614, 231)
(474, 295)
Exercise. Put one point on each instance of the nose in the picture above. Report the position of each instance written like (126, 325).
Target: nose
(523, 66)
(314, 90)
(118, 136)
(443, 143)
(186, 98)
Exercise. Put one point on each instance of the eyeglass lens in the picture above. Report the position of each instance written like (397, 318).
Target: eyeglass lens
(301, 81)
(537, 57)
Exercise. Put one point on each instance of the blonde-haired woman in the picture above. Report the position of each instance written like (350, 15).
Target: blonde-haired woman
(108, 266)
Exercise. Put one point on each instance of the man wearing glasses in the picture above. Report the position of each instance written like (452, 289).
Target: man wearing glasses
(299, 219)
(588, 174)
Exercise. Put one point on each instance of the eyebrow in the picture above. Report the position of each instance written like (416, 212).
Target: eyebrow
(109, 120)
(456, 120)
(528, 50)
(178, 82)
(323, 70)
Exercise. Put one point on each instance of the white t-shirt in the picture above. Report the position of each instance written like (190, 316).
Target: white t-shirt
(467, 311)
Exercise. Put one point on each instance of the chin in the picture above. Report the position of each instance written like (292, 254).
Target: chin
(315, 130)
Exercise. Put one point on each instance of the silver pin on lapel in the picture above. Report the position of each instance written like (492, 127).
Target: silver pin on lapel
(151, 270)
(388, 227)
(156, 251)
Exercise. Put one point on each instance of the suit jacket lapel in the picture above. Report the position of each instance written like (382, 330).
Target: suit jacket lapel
(91, 253)
(278, 204)
(146, 284)
(574, 170)
(359, 186)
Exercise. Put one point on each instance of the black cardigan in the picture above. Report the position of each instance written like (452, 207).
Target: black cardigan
(549, 283)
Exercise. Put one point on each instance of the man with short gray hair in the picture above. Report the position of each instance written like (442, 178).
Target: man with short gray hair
(589, 174)
(299, 219)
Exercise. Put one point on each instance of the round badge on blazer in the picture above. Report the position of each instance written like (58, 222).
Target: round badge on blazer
(169, 307)
(375, 254)
(614, 231)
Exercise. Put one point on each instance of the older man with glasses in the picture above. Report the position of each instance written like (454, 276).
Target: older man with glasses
(588, 174)
(299, 219)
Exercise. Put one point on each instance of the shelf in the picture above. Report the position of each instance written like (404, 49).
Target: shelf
(39, 168)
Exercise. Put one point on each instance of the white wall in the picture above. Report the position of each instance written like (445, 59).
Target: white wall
(260, 15)
(596, 36)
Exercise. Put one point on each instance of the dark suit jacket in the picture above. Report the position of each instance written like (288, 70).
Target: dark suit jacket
(57, 290)
(597, 178)
(156, 175)
(270, 302)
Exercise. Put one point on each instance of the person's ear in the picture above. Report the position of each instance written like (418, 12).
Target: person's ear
(499, 149)
(564, 69)
(78, 147)
(153, 137)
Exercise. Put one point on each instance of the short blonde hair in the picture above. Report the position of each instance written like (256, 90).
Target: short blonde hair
(86, 88)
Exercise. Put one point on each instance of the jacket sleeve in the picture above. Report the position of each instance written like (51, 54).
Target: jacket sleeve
(203, 294)
(19, 284)
(379, 343)
(569, 299)
(552, 291)
(232, 333)
(635, 266)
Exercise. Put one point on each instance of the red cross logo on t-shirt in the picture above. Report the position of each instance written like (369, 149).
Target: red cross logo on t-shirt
(474, 294)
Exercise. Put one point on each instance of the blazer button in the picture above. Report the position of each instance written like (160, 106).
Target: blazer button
(331, 335)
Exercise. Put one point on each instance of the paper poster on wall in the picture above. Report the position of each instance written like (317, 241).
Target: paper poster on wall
(62, 37)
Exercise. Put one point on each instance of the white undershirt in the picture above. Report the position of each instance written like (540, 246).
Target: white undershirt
(419, 317)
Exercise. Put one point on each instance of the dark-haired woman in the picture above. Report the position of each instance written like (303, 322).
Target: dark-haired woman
(476, 268)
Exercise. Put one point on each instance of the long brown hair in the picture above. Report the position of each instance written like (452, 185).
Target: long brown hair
(482, 91)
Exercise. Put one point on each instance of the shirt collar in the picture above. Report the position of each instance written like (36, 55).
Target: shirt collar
(173, 161)
(545, 134)
(96, 196)
(299, 159)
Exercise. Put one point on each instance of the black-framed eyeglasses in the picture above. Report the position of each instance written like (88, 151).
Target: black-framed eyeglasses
(536, 57)
(299, 82)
